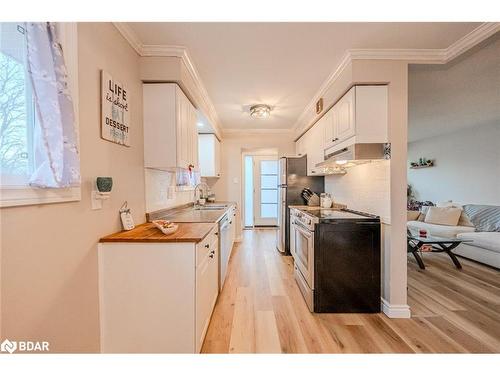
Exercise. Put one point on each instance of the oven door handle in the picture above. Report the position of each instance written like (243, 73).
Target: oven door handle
(306, 232)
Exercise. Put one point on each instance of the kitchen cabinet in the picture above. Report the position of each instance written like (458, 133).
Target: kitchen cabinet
(300, 146)
(314, 151)
(360, 116)
(209, 153)
(340, 124)
(170, 132)
(207, 285)
(157, 297)
(310, 144)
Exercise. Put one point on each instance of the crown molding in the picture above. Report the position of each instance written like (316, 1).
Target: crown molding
(130, 36)
(346, 59)
(256, 131)
(428, 56)
(149, 50)
(476, 36)
(414, 55)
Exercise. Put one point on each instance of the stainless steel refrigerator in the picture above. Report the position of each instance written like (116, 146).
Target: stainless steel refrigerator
(292, 179)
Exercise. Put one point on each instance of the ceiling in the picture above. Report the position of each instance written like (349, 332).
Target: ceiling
(282, 64)
(460, 94)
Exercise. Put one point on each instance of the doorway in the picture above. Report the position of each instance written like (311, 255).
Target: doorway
(260, 189)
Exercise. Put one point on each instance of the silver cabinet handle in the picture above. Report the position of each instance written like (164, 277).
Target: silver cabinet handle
(212, 253)
(207, 246)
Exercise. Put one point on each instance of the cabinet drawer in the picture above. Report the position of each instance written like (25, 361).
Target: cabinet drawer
(206, 246)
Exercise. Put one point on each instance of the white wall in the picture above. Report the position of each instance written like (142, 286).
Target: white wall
(229, 186)
(467, 166)
(49, 252)
(365, 188)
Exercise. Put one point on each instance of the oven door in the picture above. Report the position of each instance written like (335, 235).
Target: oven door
(304, 252)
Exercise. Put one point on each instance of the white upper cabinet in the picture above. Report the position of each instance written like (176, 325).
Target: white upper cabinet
(209, 153)
(170, 132)
(360, 116)
(300, 146)
(314, 151)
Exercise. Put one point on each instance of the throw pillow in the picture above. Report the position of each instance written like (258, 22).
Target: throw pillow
(443, 215)
(485, 218)
(464, 220)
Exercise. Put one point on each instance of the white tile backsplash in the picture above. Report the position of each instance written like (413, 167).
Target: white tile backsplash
(365, 187)
(157, 184)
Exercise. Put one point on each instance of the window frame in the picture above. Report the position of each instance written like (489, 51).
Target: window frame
(27, 195)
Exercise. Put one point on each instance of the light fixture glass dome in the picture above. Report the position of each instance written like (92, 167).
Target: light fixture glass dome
(260, 110)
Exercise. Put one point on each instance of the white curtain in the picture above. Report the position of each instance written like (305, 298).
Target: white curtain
(57, 160)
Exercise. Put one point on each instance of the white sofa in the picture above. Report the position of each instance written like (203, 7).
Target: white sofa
(484, 248)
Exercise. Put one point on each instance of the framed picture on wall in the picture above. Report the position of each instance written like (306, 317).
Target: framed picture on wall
(115, 111)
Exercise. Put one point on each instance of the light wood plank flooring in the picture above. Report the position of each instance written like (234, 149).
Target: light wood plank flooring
(260, 310)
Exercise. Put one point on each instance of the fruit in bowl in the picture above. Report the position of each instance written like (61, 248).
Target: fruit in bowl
(166, 226)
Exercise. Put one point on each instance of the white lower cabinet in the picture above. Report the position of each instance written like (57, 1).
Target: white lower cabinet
(207, 286)
(157, 297)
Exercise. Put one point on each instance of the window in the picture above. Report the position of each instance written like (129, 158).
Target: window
(18, 117)
(16, 108)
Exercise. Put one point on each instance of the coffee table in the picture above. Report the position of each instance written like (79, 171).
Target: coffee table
(439, 245)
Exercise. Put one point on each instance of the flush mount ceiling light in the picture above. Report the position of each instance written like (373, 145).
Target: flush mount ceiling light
(260, 110)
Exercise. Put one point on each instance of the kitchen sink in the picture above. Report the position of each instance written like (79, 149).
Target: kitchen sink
(212, 207)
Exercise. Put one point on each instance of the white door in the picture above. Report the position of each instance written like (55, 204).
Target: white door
(265, 193)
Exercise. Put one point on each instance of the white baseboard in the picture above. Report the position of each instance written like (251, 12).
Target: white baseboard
(395, 311)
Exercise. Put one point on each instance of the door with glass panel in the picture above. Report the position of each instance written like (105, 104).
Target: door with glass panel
(265, 190)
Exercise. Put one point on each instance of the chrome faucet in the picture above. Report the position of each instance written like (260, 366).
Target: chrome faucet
(199, 186)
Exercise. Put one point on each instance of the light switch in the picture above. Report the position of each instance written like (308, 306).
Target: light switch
(235, 180)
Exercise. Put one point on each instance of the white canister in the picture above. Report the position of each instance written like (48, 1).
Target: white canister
(325, 201)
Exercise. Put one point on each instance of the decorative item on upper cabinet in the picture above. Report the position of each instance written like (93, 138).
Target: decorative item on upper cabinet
(115, 114)
(319, 106)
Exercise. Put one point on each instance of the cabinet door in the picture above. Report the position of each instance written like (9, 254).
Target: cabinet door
(193, 142)
(299, 146)
(217, 146)
(315, 152)
(207, 288)
(330, 128)
(182, 130)
(206, 154)
(345, 126)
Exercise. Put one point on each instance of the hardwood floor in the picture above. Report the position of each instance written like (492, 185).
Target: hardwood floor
(260, 310)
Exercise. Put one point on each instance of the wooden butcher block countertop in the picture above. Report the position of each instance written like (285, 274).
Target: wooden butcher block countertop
(187, 232)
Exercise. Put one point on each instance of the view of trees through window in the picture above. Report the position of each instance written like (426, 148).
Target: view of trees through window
(16, 107)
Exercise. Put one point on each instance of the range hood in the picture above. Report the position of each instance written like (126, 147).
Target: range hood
(356, 153)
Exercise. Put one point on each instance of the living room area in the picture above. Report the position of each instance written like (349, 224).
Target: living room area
(454, 197)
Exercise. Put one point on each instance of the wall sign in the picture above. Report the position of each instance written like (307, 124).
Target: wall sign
(115, 111)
